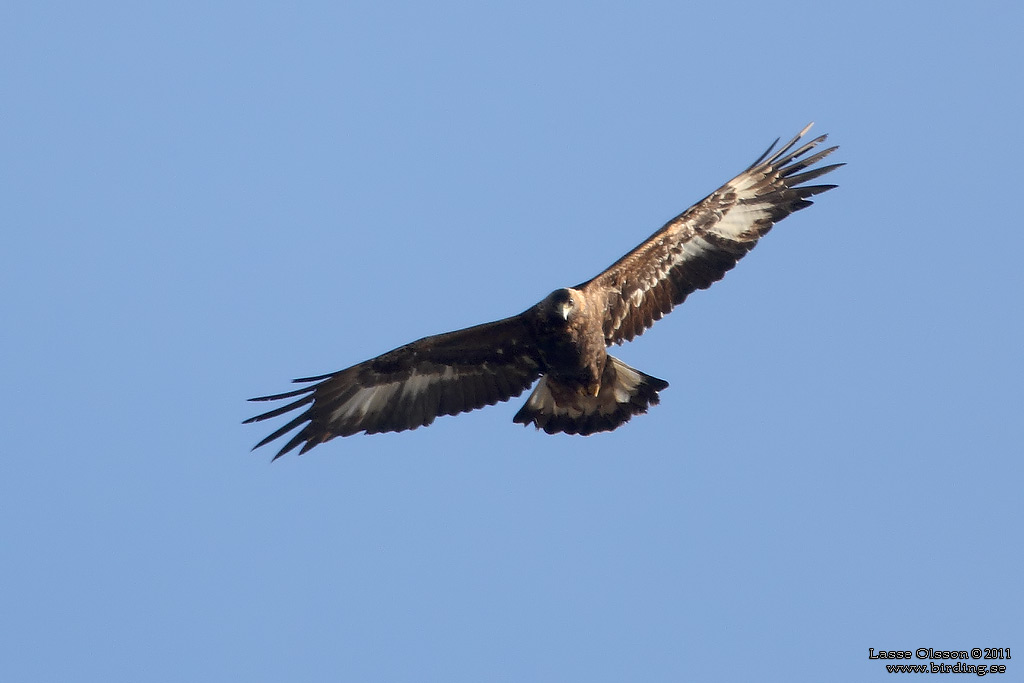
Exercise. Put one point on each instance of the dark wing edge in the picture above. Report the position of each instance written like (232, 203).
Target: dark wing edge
(696, 248)
(409, 387)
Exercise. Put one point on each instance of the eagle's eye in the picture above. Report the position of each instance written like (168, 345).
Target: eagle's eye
(563, 297)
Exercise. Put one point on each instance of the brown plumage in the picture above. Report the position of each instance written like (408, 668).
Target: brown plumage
(561, 340)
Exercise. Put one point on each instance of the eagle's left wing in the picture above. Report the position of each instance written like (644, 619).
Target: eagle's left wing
(697, 248)
(409, 387)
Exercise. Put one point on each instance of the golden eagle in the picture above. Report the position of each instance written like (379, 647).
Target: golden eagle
(562, 340)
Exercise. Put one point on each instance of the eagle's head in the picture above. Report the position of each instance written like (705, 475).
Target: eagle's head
(561, 304)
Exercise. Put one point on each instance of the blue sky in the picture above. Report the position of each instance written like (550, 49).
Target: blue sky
(204, 200)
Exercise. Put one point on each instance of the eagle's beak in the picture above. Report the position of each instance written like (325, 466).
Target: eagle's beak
(564, 310)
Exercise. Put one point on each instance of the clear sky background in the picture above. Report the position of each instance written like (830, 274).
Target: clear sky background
(201, 201)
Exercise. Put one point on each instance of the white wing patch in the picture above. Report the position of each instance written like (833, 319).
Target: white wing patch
(365, 401)
(739, 219)
(417, 384)
(697, 246)
(371, 400)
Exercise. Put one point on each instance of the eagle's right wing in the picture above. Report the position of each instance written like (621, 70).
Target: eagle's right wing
(445, 374)
(697, 248)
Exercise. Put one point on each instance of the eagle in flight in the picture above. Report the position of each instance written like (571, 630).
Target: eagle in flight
(562, 339)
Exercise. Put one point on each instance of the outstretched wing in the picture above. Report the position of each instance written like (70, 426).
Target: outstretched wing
(697, 248)
(407, 388)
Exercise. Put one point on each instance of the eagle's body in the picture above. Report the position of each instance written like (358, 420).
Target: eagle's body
(563, 339)
(583, 389)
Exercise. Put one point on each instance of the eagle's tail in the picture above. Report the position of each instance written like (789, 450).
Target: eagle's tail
(625, 392)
